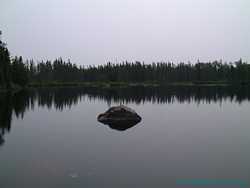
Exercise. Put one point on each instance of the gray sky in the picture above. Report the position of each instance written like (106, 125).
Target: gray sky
(97, 31)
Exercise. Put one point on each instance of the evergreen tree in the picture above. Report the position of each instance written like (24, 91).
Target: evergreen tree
(19, 71)
(5, 78)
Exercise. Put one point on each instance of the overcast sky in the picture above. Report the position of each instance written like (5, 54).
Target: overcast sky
(97, 31)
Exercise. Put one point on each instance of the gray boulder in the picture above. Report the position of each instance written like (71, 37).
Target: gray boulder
(119, 117)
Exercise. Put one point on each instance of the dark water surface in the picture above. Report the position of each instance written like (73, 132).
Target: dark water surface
(51, 137)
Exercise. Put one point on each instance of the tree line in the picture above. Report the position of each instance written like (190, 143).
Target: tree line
(17, 71)
(161, 72)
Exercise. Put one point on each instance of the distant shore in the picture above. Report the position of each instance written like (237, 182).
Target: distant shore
(14, 88)
(129, 84)
(106, 85)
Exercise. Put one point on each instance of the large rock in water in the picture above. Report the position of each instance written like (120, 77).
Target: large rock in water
(119, 118)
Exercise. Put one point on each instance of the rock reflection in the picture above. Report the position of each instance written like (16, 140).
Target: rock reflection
(121, 126)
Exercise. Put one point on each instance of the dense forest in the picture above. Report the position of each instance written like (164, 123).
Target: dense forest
(13, 72)
(16, 71)
(161, 72)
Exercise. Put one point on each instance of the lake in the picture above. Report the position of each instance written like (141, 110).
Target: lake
(51, 137)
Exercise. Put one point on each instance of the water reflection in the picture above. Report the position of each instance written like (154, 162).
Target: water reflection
(1, 140)
(5, 115)
(60, 98)
(122, 126)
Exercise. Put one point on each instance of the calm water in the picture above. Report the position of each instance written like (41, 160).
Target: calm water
(50, 137)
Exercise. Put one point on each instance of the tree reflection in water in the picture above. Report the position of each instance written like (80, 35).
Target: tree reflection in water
(61, 98)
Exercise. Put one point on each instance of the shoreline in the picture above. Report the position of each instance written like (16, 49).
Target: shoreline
(107, 85)
(143, 84)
